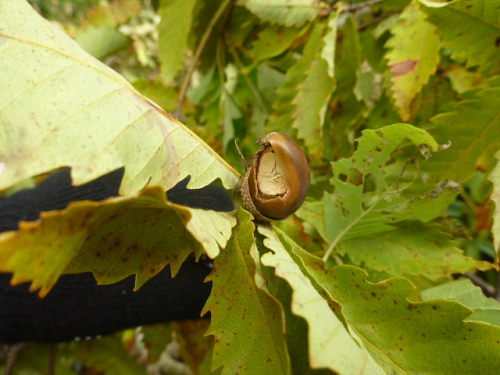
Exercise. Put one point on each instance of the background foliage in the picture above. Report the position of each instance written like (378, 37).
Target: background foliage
(400, 213)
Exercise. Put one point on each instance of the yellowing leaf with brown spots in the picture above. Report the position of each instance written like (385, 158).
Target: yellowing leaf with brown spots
(61, 107)
(113, 239)
(247, 322)
(413, 57)
(470, 29)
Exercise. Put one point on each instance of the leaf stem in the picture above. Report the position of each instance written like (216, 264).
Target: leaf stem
(199, 50)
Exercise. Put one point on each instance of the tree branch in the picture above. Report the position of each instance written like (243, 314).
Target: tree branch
(488, 290)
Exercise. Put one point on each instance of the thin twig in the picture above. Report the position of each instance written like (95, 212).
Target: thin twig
(361, 5)
(199, 50)
(496, 295)
(241, 154)
(11, 356)
(52, 359)
(377, 20)
(488, 289)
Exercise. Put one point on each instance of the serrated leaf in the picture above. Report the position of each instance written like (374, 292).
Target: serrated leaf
(282, 118)
(113, 239)
(109, 356)
(405, 337)
(285, 12)
(173, 32)
(247, 321)
(84, 115)
(314, 92)
(348, 216)
(458, 162)
(470, 28)
(364, 203)
(463, 291)
(413, 57)
(311, 101)
(412, 249)
(330, 344)
(212, 229)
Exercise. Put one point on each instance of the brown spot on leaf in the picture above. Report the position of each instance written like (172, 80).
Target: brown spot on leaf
(403, 67)
(497, 41)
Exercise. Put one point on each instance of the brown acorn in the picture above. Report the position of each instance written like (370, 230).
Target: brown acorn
(276, 184)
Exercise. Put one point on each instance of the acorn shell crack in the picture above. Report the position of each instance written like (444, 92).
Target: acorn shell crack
(276, 184)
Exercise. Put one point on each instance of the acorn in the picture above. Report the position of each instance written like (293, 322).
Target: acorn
(276, 184)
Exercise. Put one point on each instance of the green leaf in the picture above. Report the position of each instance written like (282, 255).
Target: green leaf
(348, 216)
(311, 101)
(348, 59)
(464, 291)
(245, 317)
(283, 115)
(274, 40)
(109, 356)
(101, 41)
(174, 28)
(330, 344)
(413, 57)
(314, 92)
(285, 12)
(113, 239)
(84, 115)
(470, 28)
(359, 219)
(345, 112)
(413, 249)
(405, 337)
(155, 338)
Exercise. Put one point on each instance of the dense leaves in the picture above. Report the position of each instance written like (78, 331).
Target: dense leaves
(396, 104)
